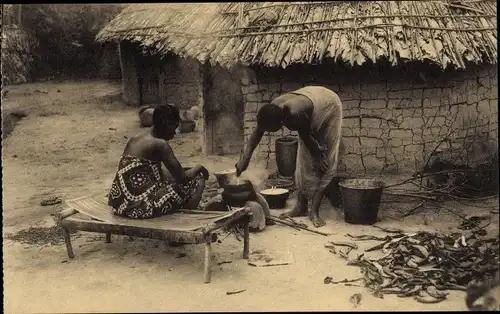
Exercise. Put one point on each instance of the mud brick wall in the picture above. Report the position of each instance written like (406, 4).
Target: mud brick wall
(223, 111)
(392, 122)
(179, 82)
(254, 97)
(130, 86)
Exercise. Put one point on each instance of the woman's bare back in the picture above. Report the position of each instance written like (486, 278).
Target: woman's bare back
(145, 146)
(299, 110)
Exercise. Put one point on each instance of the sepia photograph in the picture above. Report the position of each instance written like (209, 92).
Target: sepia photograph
(250, 156)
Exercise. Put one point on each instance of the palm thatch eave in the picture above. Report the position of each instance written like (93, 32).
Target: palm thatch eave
(450, 34)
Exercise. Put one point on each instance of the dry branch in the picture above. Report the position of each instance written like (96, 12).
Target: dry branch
(296, 226)
(305, 31)
(352, 18)
(411, 211)
(411, 195)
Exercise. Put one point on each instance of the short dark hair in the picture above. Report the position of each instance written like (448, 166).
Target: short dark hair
(165, 115)
(270, 117)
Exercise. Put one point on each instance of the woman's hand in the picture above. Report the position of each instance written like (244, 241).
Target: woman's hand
(321, 162)
(322, 148)
(204, 172)
(319, 150)
(241, 166)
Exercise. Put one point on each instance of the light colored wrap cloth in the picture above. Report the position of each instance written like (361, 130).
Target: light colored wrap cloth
(326, 124)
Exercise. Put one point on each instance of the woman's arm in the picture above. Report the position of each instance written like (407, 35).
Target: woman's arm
(297, 117)
(253, 141)
(310, 142)
(174, 167)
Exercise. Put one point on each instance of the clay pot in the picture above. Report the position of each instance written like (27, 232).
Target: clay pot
(236, 195)
(237, 199)
(225, 176)
(242, 186)
(188, 115)
(187, 126)
(195, 111)
(146, 116)
(276, 198)
(280, 183)
(286, 155)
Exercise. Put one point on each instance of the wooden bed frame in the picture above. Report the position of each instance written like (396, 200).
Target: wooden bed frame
(186, 226)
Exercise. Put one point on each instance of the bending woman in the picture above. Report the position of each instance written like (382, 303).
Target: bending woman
(315, 113)
(140, 189)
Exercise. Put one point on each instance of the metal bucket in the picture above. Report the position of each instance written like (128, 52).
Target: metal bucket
(361, 200)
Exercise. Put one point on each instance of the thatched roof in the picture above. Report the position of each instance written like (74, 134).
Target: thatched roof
(448, 33)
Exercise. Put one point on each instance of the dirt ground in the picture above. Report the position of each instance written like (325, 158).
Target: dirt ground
(69, 145)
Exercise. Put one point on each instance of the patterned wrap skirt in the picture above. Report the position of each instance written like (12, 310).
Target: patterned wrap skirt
(140, 191)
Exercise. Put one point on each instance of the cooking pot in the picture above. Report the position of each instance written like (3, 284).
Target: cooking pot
(238, 192)
(237, 186)
(225, 176)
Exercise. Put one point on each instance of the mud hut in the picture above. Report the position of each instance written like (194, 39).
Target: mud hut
(154, 73)
(417, 78)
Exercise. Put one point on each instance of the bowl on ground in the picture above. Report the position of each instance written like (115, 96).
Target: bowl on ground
(280, 183)
(276, 198)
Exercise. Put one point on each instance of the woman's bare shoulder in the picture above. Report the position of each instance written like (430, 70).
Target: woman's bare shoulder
(282, 99)
(145, 144)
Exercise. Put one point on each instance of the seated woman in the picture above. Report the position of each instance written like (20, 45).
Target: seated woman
(315, 113)
(140, 189)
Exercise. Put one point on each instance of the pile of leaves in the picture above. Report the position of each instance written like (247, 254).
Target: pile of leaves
(423, 265)
(39, 236)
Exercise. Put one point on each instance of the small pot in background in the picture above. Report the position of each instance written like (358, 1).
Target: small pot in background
(146, 115)
(187, 126)
(286, 155)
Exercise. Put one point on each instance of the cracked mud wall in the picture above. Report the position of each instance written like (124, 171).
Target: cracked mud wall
(185, 82)
(393, 120)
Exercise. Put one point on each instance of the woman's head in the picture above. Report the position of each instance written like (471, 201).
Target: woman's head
(270, 118)
(166, 119)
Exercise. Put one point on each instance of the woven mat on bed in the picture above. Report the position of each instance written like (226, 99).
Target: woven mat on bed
(97, 208)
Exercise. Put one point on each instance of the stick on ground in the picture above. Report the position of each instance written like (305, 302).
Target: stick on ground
(289, 224)
(411, 211)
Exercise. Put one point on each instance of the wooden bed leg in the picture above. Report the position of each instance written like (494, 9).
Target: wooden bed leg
(208, 262)
(108, 237)
(246, 238)
(67, 240)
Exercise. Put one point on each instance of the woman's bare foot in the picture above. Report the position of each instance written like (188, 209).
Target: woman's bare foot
(295, 212)
(316, 220)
